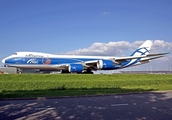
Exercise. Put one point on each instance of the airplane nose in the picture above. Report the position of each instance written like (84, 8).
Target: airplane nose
(3, 61)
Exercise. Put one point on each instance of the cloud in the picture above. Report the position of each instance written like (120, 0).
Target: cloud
(106, 13)
(119, 48)
(124, 48)
(111, 48)
(160, 45)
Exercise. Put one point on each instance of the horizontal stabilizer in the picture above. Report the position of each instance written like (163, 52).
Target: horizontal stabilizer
(147, 59)
(149, 55)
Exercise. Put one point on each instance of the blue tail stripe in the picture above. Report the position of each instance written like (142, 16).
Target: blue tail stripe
(125, 64)
(142, 53)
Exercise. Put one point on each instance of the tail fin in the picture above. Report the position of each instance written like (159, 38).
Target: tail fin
(144, 49)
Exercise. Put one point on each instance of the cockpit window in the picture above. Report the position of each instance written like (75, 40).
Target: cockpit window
(15, 54)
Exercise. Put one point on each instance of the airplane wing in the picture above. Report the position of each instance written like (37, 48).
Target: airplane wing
(119, 60)
(116, 60)
(93, 64)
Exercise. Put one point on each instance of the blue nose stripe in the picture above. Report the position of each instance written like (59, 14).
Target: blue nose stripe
(14, 61)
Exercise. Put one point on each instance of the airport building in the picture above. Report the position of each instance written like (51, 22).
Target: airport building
(8, 70)
(146, 72)
(12, 70)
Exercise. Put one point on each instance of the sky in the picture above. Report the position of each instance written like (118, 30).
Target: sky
(87, 27)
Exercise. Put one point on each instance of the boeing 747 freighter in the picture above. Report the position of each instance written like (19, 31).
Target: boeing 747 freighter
(79, 64)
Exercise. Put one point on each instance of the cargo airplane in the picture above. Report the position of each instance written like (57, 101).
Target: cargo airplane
(79, 64)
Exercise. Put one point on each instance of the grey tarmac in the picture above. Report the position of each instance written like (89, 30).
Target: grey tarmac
(141, 106)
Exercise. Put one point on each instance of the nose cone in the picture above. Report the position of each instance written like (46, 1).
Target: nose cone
(3, 61)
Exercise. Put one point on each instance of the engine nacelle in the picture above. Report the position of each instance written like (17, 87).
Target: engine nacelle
(75, 68)
(105, 64)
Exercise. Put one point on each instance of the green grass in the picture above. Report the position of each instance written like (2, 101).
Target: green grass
(45, 85)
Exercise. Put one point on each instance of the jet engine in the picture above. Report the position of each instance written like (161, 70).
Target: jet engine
(105, 64)
(78, 68)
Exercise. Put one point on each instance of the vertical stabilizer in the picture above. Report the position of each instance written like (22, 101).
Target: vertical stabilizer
(144, 49)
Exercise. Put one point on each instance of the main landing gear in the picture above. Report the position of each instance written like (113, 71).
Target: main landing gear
(19, 71)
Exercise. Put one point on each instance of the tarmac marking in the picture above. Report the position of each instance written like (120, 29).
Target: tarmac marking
(44, 108)
(114, 105)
